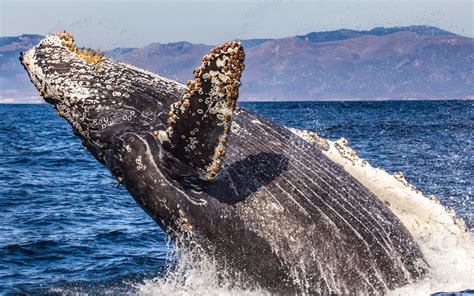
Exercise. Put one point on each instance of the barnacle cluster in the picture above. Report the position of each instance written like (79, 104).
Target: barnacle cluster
(235, 67)
(88, 55)
(221, 71)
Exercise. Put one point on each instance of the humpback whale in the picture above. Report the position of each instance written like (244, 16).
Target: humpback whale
(268, 206)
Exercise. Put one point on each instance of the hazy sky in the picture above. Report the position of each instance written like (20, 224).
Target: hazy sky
(108, 24)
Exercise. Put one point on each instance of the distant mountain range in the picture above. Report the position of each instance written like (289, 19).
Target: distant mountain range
(415, 62)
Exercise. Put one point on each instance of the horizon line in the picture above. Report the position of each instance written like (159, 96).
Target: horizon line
(283, 37)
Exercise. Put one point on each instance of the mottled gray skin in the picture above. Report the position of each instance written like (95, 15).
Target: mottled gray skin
(279, 213)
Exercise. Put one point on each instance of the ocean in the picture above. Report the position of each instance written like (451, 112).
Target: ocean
(65, 226)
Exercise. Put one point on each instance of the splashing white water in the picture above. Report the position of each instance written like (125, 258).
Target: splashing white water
(443, 238)
(195, 273)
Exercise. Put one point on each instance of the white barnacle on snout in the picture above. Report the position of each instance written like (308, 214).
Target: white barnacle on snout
(220, 108)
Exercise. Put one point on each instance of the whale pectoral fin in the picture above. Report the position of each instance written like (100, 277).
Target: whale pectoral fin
(200, 122)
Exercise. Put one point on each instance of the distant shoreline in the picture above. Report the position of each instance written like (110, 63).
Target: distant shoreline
(401, 63)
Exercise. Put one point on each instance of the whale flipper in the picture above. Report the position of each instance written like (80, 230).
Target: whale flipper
(200, 122)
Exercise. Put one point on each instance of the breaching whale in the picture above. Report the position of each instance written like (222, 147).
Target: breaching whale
(260, 200)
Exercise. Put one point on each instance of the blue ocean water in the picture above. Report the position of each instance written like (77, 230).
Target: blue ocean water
(65, 227)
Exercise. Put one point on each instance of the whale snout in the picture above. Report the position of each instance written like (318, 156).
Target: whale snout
(37, 76)
(100, 100)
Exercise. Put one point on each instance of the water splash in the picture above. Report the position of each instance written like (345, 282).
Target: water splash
(195, 273)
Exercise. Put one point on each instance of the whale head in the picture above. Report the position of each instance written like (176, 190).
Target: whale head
(136, 122)
(103, 99)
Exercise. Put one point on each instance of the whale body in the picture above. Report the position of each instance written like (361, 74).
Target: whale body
(267, 205)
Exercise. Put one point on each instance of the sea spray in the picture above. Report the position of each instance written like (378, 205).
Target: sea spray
(194, 272)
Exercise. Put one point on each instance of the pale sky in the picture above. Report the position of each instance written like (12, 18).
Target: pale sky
(109, 24)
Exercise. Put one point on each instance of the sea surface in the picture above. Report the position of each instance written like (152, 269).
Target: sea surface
(65, 227)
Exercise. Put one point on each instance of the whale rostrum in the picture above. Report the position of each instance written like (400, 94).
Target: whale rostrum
(267, 205)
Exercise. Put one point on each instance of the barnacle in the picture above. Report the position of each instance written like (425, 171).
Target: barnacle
(88, 55)
(212, 95)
